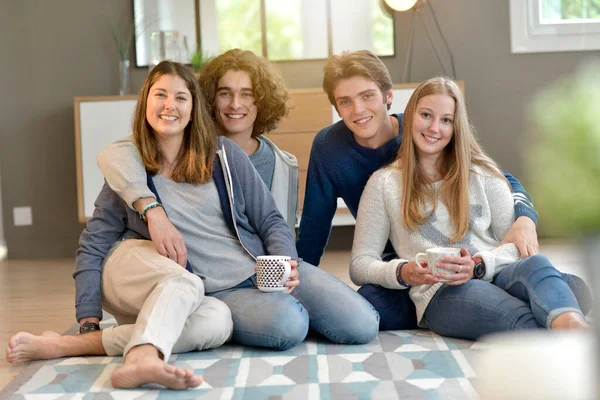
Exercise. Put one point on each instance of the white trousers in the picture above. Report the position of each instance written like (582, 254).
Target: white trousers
(156, 301)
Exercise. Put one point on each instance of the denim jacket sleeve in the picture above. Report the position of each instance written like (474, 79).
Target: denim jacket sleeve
(101, 232)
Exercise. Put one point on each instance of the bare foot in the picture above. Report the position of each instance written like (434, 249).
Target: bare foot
(153, 370)
(570, 320)
(50, 334)
(24, 347)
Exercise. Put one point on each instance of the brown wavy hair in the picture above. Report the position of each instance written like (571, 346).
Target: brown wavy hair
(194, 162)
(357, 63)
(271, 94)
(460, 155)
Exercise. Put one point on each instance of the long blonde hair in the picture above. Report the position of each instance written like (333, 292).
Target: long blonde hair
(194, 162)
(459, 156)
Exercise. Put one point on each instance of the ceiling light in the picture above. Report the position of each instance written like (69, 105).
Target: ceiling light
(401, 5)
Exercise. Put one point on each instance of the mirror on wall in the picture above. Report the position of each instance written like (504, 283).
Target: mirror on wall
(164, 27)
(279, 30)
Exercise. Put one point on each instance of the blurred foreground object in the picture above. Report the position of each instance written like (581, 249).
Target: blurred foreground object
(564, 154)
(563, 160)
(537, 365)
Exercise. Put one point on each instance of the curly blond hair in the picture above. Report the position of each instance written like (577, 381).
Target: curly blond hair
(270, 91)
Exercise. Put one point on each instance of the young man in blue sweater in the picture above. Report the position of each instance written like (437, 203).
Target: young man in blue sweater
(345, 154)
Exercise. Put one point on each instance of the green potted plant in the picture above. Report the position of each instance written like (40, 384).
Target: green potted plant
(199, 58)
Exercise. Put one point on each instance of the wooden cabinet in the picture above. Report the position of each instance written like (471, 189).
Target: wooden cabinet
(311, 112)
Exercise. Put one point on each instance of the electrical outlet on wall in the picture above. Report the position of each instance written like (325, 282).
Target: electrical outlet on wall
(22, 216)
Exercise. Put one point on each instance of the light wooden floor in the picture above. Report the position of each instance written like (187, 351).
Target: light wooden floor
(38, 295)
(35, 295)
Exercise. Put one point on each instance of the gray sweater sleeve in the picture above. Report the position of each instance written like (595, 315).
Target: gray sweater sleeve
(371, 234)
(123, 169)
(500, 201)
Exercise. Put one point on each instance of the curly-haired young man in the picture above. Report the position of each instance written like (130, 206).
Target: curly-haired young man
(247, 98)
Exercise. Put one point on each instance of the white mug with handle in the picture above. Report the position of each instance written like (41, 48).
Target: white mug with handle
(272, 272)
(433, 255)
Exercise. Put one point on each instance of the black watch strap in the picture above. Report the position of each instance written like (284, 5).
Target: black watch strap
(88, 327)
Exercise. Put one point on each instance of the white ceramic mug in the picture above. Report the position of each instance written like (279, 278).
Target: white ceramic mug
(433, 256)
(272, 272)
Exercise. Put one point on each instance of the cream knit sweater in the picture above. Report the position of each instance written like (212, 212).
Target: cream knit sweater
(491, 216)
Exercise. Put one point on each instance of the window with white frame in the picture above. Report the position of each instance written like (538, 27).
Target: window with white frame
(296, 29)
(554, 25)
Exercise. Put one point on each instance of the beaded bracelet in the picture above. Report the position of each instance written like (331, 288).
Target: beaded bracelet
(149, 207)
(399, 274)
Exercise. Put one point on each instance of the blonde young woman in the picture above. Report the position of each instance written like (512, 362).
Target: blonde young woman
(442, 191)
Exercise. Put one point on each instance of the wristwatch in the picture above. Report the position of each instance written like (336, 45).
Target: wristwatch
(88, 326)
(479, 270)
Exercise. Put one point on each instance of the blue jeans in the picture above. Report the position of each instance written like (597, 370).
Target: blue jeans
(397, 311)
(281, 321)
(526, 294)
(395, 307)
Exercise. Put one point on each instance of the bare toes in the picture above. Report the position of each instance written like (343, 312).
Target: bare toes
(194, 381)
(156, 371)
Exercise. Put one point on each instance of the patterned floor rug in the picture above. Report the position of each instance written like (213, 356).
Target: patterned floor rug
(397, 365)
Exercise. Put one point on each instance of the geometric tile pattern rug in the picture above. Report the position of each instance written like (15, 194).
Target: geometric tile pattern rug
(413, 364)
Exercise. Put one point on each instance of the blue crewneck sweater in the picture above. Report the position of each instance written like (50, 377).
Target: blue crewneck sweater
(340, 167)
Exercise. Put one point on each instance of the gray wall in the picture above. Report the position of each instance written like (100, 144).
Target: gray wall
(51, 51)
(54, 50)
(1, 223)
